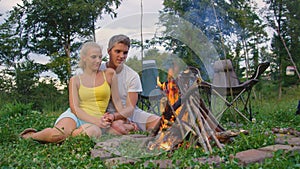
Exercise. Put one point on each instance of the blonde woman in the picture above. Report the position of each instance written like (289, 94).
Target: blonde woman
(89, 94)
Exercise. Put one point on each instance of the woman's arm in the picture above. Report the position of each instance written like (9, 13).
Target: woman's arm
(75, 102)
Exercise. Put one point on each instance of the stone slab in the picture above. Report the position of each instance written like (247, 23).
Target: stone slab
(101, 153)
(159, 164)
(168, 163)
(286, 148)
(209, 160)
(287, 139)
(252, 156)
(119, 160)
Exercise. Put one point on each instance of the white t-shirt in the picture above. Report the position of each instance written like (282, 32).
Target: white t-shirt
(128, 81)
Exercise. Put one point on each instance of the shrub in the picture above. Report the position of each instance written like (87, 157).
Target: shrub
(15, 108)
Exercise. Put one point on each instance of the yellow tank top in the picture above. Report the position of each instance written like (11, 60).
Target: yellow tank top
(94, 100)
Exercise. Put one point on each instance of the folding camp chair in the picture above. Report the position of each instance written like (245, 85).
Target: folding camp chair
(187, 78)
(227, 87)
(149, 99)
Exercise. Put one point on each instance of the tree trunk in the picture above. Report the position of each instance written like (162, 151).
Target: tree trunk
(280, 83)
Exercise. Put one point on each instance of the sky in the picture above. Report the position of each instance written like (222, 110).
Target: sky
(127, 21)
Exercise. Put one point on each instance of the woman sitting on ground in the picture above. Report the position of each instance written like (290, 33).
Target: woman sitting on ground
(89, 94)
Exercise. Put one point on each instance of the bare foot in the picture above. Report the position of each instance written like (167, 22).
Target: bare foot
(27, 133)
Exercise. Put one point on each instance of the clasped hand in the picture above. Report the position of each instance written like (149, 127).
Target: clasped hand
(106, 120)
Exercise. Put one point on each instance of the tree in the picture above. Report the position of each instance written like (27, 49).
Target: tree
(251, 36)
(293, 31)
(219, 21)
(56, 28)
(25, 76)
(53, 28)
(283, 17)
(12, 48)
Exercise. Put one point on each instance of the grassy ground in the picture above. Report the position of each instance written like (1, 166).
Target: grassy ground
(75, 152)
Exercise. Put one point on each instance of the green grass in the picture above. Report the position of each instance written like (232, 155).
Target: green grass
(75, 152)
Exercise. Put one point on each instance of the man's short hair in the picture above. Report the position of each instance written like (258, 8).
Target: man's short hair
(118, 39)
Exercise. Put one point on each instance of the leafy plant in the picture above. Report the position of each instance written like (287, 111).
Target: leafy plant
(75, 152)
(15, 108)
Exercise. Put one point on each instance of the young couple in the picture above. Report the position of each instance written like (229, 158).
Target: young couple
(92, 112)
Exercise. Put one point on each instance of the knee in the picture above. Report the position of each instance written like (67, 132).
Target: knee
(154, 119)
(94, 131)
(153, 122)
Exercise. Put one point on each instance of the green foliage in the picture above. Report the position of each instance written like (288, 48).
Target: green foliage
(12, 45)
(47, 98)
(283, 17)
(134, 63)
(42, 96)
(8, 113)
(25, 76)
(23, 85)
(15, 108)
(51, 28)
(75, 152)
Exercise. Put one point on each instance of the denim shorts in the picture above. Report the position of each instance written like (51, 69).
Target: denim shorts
(68, 113)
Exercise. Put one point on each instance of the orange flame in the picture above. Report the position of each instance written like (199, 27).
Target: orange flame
(170, 87)
(161, 143)
(172, 93)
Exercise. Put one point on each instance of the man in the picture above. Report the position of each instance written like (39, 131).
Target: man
(129, 85)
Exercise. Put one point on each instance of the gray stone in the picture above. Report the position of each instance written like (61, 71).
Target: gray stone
(119, 160)
(169, 164)
(101, 153)
(111, 147)
(159, 164)
(288, 139)
(209, 160)
(286, 148)
(108, 143)
(252, 156)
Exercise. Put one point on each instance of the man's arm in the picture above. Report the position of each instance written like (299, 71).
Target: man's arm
(126, 111)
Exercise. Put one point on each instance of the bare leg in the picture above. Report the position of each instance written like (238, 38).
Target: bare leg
(58, 133)
(88, 129)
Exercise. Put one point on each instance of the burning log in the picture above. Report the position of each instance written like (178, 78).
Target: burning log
(186, 115)
(193, 121)
(168, 139)
(204, 118)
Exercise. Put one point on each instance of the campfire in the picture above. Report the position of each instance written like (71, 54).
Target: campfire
(187, 118)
